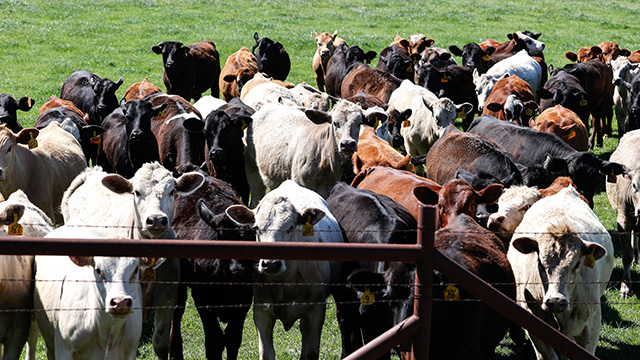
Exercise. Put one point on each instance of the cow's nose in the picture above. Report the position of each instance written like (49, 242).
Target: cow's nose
(170, 64)
(136, 134)
(555, 304)
(348, 146)
(120, 306)
(216, 153)
(271, 266)
(157, 222)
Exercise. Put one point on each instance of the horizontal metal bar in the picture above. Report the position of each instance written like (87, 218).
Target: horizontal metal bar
(210, 249)
(388, 340)
(509, 308)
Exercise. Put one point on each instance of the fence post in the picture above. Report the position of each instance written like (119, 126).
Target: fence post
(424, 283)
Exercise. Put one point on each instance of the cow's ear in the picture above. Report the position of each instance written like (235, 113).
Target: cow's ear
(463, 174)
(489, 50)
(25, 135)
(311, 215)
(229, 78)
(427, 194)
(596, 50)
(153, 263)
(455, 50)
(490, 194)
(613, 168)
(494, 106)
(185, 51)
(158, 109)
(118, 83)
(429, 42)
(544, 93)
(357, 163)
(157, 48)
(370, 55)
(89, 131)
(464, 107)
(532, 123)
(554, 164)
(359, 280)
(279, 45)
(592, 248)
(117, 184)
(512, 35)
(571, 56)
(525, 245)
(82, 260)
(205, 213)
(241, 215)
(405, 115)
(11, 213)
(189, 182)
(242, 121)
(317, 116)
(625, 52)
(25, 103)
(193, 124)
(256, 37)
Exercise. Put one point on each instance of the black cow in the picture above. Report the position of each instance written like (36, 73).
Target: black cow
(224, 150)
(127, 141)
(342, 61)
(89, 136)
(190, 70)
(220, 288)
(9, 108)
(395, 123)
(92, 94)
(397, 61)
(632, 120)
(474, 57)
(454, 82)
(367, 218)
(565, 89)
(531, 147)
(273, 59)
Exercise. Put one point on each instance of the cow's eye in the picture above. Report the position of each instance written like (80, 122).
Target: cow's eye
(525, 208)
(173, 192)
(99, 272)
(135, 273)
(9, 150)
(136, 193)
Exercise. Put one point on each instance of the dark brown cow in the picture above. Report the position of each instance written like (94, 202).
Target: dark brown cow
(239, 68)
(371, 81)
(344, 59)
(606, 52)
(140, 90)
(190, 70)
(564, 123)
(519, 111)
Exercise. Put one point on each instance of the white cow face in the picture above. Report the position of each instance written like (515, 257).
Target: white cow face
(444, 111)
(275, 219)
(8, 144)
(561, 253)
(484, 84)
(512, 205)
(345, 119)
(534, 46)
(153, 188)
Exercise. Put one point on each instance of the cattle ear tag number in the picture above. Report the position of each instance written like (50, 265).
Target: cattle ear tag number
(486, 57)
(571, 135)
(307, 229)
(406, 123)
(244, 125)
(15, 229)
(451, 293)
(33, 143)
(583, 101)
(95, 140)
(445, 78)
(367, 298)
(612, 178)
(150, 273)
(590, 260)
(462, 114)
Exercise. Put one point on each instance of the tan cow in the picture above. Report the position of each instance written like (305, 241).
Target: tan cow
(373, 151)
(564, 123)
(44, 172)
(326, 46)
(239, 68)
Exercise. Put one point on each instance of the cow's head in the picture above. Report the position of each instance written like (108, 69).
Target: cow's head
(512, 205)
(152, 188)
(138, 115)
(397, 119)
(268, 53)
(484, 84)
(9, 143)
(223, 139)
(473, 56)
(325, 45)
(105, 100)
(585, 54)
(355, 53)
(174, 55)
(632, 122)
(345, 118)
(533, 45)
(444, 111)
(560, 252)
(398, 62)
(571, 97)
(8, 110)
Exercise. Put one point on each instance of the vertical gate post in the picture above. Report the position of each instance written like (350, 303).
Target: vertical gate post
(424, 283)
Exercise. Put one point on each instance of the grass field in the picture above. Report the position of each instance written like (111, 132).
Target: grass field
(42, 42)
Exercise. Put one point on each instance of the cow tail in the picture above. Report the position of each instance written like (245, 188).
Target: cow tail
(361, 175)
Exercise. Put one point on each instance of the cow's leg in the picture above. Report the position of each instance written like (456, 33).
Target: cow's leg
(17, 336)
(164, 296)
(347, 314)
(213, 336)
(624, 231)
(620, 117)
(311, 330)
(588, 338)
(256, 185)
(543, 351)
(175, 342)
(233, 337)
(264, 322)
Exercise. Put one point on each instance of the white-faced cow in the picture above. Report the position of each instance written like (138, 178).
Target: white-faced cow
(282, 216)
(308, 147)
(562, 259)
(92, 94)
(140, 208)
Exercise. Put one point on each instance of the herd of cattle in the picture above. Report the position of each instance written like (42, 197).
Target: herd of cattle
(162, 167)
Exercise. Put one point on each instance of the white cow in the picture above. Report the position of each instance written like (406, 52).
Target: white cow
(307, 147)
(16, 273)
(512, 205)
(269, 93)
(562, 259)
(43, 172)
(140, 208)
(429, 116)
(281, 216)
(520, 64)
(534, 46)
(88, 307)
(623, 71)
(207, 104)
(310, 97)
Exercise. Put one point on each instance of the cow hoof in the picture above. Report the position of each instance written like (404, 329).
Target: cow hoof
(625, 291)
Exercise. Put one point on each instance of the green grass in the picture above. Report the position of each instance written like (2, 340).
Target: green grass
(42, 42)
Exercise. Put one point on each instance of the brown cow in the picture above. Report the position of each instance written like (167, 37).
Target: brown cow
(606, 52)
(564, 123)
(140, 90)
(326, 46)
(416, 43)
(371, 81)
(499, 104)
(55, 102)
(373, 151)
(239, 68)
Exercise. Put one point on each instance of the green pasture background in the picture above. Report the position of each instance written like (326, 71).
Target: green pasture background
(42, 42)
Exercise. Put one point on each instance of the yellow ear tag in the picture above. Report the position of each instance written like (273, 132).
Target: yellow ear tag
(244, 125)
(571, 135)
(462, 114)
(150, 272)
(159, 116)
(406, 123)
(583, 102)
(307, 229)
(15, 229)
(33, 143)
(377, 124)
(391, 121)
(95, 140)
(528, 112)
(367, 298)
(451, 293)
(445, 78)
(29, 102)
(486, 57)
(411, 168)
(590, 260)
